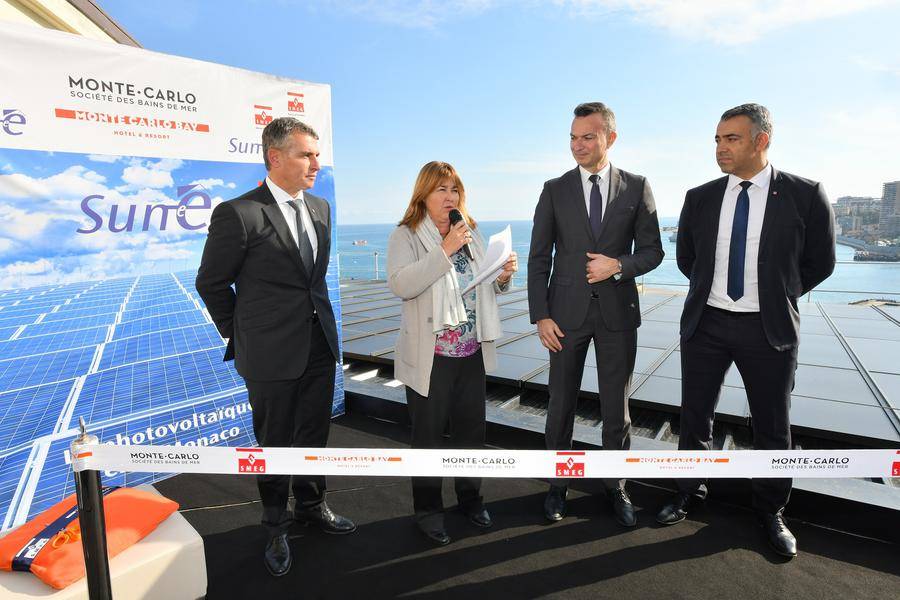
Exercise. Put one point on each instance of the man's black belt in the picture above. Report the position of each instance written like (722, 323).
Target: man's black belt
(732, 313)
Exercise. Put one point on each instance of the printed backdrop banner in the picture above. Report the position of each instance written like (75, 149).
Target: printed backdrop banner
(112, 159)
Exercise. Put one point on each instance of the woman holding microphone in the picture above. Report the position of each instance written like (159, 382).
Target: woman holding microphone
(446, 342)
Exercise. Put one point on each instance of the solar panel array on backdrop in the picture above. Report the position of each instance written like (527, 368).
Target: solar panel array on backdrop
(137, 357)
(32, 412)
(186, 425)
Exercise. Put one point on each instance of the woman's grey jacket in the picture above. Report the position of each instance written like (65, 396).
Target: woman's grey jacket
(411, 271)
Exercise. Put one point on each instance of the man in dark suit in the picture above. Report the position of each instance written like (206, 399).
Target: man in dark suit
(585, 225)
(751, 243)
(272, 245)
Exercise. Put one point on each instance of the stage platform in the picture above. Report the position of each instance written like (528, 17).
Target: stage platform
(718, 552)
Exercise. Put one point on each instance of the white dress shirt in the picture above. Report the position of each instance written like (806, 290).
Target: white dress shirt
(282, 198)
(759, 194)
(603, 182)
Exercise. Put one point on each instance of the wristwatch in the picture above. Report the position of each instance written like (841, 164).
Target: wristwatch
(618, 276)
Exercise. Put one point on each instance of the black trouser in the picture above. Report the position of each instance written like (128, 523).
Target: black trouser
(456, 397)
(723, 338)
(615, 352)
(293, 413)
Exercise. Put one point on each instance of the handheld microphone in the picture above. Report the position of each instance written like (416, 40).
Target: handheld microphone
(456, 217)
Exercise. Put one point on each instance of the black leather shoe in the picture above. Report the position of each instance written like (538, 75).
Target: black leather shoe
(780, 537)
(434, 530)
(480, 518)
(278, 555)
(555, 503)
(623, 509)
(322, 516)
(675, 510)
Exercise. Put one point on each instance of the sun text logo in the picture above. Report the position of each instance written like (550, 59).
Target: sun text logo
(262, 115)
(236, 146)
(186, 194)
(570, 468)
(895, 471)
(295, 103)
(11, 121)
(251, 463)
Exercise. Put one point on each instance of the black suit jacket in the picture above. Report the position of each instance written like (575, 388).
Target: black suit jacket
(796, 251)
(561, 237)
(267, 317)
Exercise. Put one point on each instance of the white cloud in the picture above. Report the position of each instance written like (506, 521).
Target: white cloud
(167, 164)
(76, 182)
(146, 174)
(5, 245)
(149, 196)
(156, 251)
(212, 183)
(17, 269)
(104, 239)
(208, 183)
(7, 168)
(142, 177)
(17, 280)
(104, 158)
(20, 224)
(729, 23)
(94, 177)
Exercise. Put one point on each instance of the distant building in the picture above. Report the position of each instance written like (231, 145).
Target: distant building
(889, 221)
(858, 216)
(858, 202)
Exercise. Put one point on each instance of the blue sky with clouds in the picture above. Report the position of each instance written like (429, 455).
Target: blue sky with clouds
(42, 209)
(489, 85)
(41, 196)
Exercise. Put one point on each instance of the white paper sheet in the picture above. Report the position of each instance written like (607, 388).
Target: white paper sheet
(498, 251)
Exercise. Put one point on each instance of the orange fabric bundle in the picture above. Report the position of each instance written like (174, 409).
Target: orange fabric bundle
(131, 514)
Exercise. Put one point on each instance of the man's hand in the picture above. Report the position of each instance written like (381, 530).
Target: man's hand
(549, 332)
(600, 267)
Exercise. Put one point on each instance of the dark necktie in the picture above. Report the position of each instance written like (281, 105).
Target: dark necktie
(596, 216)
(306, 253)
(738, 247)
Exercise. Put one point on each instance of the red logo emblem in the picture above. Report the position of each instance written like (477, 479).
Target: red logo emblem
(295, 103)
(895, 471)
(251, 463)
(262, 115)
(570, 468)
